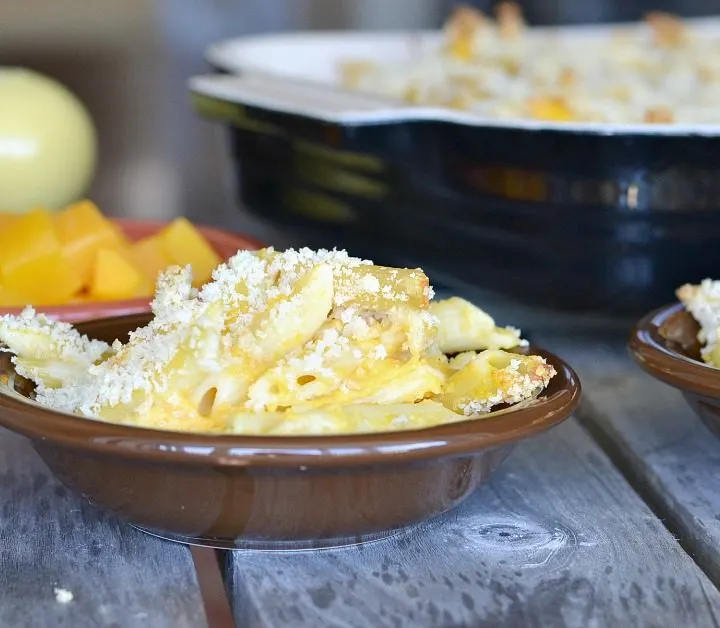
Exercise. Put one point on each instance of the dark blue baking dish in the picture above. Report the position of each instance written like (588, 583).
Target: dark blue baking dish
(572, 217)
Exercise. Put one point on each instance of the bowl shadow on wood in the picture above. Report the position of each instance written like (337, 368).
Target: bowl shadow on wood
(273, 493)
(665, 344)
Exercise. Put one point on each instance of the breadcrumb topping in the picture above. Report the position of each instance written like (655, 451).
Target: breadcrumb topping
(63, 340)
(521, 379)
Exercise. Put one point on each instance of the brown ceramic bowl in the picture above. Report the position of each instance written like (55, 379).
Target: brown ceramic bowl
(274, 492)
(664, 343)
(225, 244)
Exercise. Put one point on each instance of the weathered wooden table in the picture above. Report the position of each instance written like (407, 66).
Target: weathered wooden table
(613, 519)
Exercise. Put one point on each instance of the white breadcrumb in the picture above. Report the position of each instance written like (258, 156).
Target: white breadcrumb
(49, 352)
(703, 303)
(63, 596)
(62, 340)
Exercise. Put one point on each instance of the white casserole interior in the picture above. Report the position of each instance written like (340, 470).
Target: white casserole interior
(299, 73)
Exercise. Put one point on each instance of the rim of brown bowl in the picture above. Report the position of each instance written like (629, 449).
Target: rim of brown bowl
(651, 351)
(36, 422)
(225, 243)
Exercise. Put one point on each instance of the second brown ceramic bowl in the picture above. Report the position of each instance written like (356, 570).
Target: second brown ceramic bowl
(664, 344)
(274, 492)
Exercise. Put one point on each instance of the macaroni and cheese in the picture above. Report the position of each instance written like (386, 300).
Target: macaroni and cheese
(662, 71)
(292, 342)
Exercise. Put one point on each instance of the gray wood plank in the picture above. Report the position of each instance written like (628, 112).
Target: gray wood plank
(556, 539)
(51, 539)
(669, 455)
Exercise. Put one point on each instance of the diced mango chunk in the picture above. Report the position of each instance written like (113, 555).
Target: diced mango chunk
(26, 238)
(10, 298)
(7, 219)
(146, 287)
(78, 255)
(122, 241)
(82, 231)
(115, 277)
(46, 280)
(184, 244)
(31, 261)
(149, 256)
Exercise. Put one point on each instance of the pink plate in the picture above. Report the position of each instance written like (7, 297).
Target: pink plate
(224, 242)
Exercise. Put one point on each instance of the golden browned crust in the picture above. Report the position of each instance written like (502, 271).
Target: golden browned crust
(465, 21)
(658, 115)
(461, 28)
(510, 20)
(686, 293)
(667, 29)
(567, 77)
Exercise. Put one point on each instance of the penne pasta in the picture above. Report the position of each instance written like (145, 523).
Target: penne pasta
(464, 327)
(494, 378)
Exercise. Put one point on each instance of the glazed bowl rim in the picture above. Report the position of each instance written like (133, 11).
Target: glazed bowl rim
(39, 423)
(650, 351)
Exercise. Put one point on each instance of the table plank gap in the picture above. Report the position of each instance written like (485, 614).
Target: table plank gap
(64, 562)
(207, 563)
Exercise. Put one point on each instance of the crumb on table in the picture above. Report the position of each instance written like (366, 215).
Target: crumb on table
(63, 596)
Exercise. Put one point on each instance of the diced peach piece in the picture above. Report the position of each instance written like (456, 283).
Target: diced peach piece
(31, 262)
(122, 239)
(10, 298)
(150, 257)
(82, 231)
(184, 244)
(7, 219)
(115, 277)
(46, 280)
(28, 237)
(78, 297)
(146, 287)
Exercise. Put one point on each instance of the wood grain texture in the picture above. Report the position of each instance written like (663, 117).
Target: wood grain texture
(50, 538)
(557, 538)
(652, 433)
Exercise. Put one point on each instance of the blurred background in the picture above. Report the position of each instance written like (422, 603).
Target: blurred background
(128, 61)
